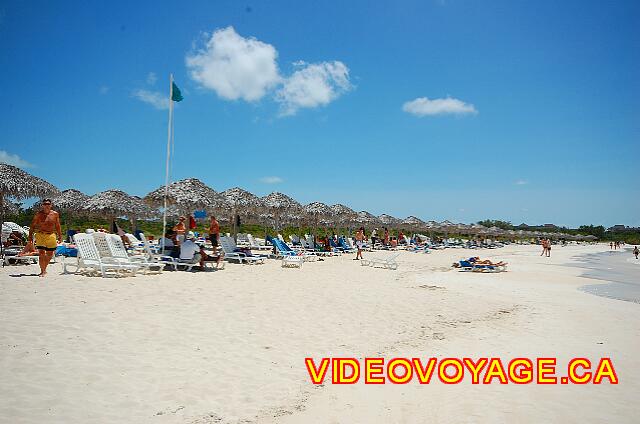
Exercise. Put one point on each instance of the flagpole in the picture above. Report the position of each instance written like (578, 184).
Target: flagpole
(166, 174)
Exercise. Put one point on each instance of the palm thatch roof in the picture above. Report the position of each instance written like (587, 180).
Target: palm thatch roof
(240, 200)
(67, 201)
(412, 221)
(117, 203)
(317, 209)
(188, 195)
(388, 219)
(16, 183)
(366, 218)
(277, 200)
(10, 208)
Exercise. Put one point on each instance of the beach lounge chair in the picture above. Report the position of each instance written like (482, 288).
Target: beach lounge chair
(466, 265)
(345, 247)
(156, 257)
(119, 252)
(254, 245)
(283, 250)
(89, 258)
(231, 253)
(388, 262)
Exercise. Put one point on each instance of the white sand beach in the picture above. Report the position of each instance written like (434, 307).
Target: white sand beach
(229, 346)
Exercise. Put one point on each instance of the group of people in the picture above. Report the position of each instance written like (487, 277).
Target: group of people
(615, 245)
(546, 247)
(179, 242)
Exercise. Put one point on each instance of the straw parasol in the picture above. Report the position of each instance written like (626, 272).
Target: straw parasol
(342, 214)
(279, 205)
(317, 211)
(389, 220)
(413, 222)
(16, 183)
(10, 208)
(188, 195)
(114, 203)
(241, 200)
(366, 218)
(70, 200)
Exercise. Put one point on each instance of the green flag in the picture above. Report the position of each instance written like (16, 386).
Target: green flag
(176, 95)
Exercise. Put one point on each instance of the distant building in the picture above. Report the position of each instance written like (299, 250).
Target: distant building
(623, 229)
(550, 226)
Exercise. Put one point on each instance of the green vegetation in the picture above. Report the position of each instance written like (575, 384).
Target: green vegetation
(629, 237)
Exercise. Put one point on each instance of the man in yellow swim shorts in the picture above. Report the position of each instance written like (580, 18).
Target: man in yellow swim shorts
(46, 227)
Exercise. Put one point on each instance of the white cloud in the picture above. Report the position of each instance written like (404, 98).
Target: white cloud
(423, 106)
(521, 182)
(271, 180)
(14, 160)
(313, 85)
(154, 98)
(235, 67)
(151, 78)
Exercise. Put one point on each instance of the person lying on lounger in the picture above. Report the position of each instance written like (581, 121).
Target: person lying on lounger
(477, 261)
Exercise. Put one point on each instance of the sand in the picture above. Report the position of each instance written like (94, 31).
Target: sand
(229, 346)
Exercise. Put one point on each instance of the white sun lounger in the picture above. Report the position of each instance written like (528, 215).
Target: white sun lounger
(119, 252)
(229, 247)
(388, 262)
(89, 258)
(254, 245)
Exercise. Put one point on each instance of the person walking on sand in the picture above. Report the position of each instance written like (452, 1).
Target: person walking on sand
(46, 228)
(636, 252)
(359, 243)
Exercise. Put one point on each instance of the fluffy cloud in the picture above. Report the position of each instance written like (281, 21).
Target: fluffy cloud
(235, 67)
(271, 180)
(423, 106)
(313, 85)
(153, 98)
(15, 160)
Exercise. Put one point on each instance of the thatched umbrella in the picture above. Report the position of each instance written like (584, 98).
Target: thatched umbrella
(114, 203)
(365, 218)
(70, 200)
(187, 195)
(388, 220)
(413, 222)
(241, 200)
(10, 208)
(280, 204)
(342, 214)
(316, 211)
(16, 183)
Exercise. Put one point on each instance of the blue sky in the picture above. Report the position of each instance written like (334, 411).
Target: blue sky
(445, 109)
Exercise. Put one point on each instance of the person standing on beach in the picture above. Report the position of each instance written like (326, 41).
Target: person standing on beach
(214, 231)
(359, 242)
(543, 243)
(548, 248)
(180, 229)
(636, 252)
(46, 227)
